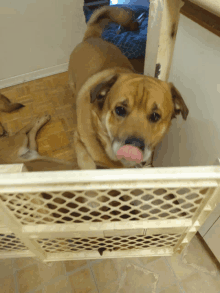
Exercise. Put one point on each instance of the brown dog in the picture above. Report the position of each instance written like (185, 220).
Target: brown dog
(22, 147)
(115, 106)
(8, 107)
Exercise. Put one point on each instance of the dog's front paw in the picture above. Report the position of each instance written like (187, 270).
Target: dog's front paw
(43, 119)
(46, 117)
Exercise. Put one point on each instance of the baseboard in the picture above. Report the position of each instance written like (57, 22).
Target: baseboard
(33, 75)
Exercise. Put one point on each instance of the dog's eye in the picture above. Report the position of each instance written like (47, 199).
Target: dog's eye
(100, 96)
(154, 117)
(120, 111)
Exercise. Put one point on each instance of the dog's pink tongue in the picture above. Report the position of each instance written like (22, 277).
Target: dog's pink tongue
(130, 153)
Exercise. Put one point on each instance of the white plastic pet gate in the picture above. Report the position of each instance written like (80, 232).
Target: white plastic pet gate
(104, 213)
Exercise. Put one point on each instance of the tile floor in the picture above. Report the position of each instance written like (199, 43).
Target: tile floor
(195, 270)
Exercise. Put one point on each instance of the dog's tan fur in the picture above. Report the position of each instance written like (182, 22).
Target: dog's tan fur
(102, 79)
(22, 147)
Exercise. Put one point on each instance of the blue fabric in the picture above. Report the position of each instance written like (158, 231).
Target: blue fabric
(131, 43)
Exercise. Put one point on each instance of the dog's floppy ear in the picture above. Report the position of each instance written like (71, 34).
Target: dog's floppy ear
(99, 92)
(179, 104)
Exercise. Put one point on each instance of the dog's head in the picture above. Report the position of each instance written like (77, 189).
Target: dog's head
(135, 111)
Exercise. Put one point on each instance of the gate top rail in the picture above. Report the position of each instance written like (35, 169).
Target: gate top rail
(200, 173)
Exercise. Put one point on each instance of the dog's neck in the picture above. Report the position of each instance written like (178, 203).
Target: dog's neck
(103, 137)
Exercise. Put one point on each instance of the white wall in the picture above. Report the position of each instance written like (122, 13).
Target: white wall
(37, 37)
(195, 72)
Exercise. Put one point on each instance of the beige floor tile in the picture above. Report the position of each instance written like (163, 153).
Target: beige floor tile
(214, 280)
(110, 288)
(137, 280)
(197, 256)
(105, 272)
(28, 278)
(140, 261)
(146, 260)
(181, 269)
(59, 286)
(20, 263)
(200, 283)
(82, 282)
(6, 267)
(7, 284)
(52, 271)
(172, 289)
(120, 264)
(74, 264)
(166, 276)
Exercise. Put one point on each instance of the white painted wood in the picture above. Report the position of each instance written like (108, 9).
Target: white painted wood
(212, 238)
(169, 27)
(153, 36)
(33, 75)
(162, 28)
(212, 6)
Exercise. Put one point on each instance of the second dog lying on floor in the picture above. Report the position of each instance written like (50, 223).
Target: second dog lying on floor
(22, 147)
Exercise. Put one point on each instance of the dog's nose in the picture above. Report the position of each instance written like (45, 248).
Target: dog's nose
(138, 142)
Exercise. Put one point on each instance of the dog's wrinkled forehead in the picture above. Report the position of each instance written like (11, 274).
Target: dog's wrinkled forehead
(143, 92)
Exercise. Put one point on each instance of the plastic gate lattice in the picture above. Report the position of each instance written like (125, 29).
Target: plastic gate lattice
(104, 214)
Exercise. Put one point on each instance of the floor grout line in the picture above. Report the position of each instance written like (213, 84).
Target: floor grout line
(16, 283)
(93, 275)
(176, 278)
(76, 270)
(41, 287)
(26, 266)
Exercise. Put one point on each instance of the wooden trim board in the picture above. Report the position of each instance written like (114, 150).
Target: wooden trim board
(201, 16)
